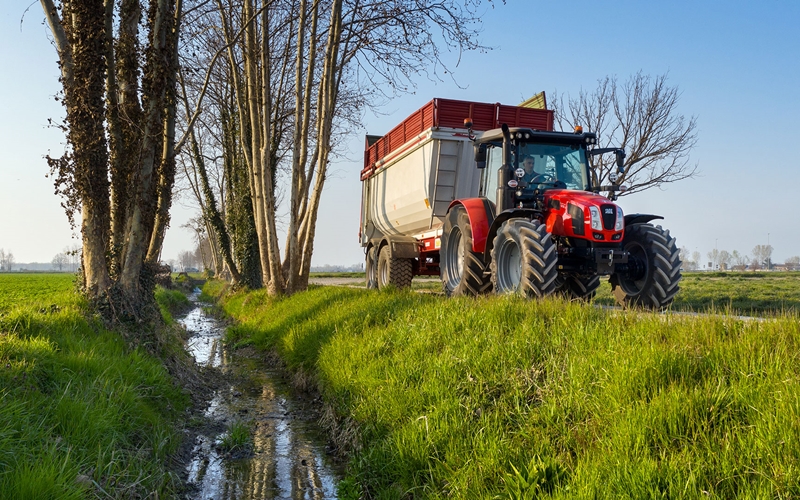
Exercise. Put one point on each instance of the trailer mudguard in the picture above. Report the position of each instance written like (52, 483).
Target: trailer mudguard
(400, 247)
(631, 219)
(481, 216)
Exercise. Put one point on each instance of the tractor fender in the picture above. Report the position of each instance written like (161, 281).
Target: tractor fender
(514, 213)
(631, 219)
(400, 247)
(481, 215)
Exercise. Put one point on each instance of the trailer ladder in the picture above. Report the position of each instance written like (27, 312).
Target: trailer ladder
(444, 187)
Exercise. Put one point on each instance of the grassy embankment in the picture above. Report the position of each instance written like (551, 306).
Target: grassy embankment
(81, 416)
(499, 397)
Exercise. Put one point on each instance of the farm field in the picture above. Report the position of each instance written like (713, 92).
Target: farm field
(498, 397)
(739, 293)
(745, 293)
(35, 290)
(81, 415)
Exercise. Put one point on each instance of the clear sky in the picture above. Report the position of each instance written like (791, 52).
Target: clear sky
(736, 63)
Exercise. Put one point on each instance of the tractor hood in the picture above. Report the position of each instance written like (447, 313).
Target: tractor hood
(585, 215)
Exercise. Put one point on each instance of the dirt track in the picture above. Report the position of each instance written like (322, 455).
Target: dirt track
(356, 282)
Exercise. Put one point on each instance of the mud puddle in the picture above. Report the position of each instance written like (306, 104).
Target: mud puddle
(285, 457)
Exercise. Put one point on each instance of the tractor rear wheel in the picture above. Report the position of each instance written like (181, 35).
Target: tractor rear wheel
(461, 268)
(654, 268)
(524, 259)
(371, 268)
(391, 271)
(578, 287)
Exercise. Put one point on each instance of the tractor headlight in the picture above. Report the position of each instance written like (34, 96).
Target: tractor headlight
(595, 215)
(620, 220)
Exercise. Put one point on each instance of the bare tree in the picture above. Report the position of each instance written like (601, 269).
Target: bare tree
(74, 252)
(642, 117)
(763, 255)
(689, 263)
(793, 263)
(714, 258)
(186, 260)
(298, 71)
(739, 261)
(6, 260)
(60, 261)
(118, 80)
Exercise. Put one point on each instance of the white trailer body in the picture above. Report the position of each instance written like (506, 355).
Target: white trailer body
(411, 189)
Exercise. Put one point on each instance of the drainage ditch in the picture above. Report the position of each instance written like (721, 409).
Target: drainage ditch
(284, 454)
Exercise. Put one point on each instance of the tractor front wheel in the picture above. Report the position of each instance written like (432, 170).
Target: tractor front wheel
(392, 271)
(461, 268)
(524, 259)
(578, 287)
(654, 268)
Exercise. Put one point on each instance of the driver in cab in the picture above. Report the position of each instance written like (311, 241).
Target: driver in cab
(531, 175)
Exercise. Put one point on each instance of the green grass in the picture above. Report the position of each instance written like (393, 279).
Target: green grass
(236, 438)
(36, 290)
(81, 416)
(169, 302)
(503, 398)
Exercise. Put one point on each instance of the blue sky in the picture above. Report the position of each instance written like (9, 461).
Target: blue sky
(737, 65)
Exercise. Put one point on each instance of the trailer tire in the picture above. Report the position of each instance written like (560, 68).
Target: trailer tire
(654, 268)
(461, 268)
(371, 268)
(524, 259)
(578, 287)
(392, 271)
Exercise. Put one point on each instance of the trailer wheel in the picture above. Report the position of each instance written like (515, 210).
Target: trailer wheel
(524, 259)
(654, 268)
(396, 272)
(461, 268)
(371, 268)
(578, 287)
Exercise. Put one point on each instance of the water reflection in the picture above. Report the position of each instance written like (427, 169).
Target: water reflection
(287, 460)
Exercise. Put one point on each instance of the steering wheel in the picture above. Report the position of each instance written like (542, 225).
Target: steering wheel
(541, 179)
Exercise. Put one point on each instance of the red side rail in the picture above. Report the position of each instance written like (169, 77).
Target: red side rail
(450, 113)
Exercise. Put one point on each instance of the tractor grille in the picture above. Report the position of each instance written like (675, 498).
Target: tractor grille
(609, 214)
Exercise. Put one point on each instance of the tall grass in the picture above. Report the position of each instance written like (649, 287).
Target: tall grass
(169, 302)
(504, 398)
(81, 416)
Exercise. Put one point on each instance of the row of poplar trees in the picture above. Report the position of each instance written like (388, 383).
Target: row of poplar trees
(248, 98)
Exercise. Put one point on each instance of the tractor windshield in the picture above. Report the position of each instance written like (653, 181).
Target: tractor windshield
(551, 163)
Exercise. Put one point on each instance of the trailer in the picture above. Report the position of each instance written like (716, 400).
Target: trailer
(411, 176)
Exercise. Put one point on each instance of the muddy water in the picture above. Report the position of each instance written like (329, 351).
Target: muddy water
(286, 458)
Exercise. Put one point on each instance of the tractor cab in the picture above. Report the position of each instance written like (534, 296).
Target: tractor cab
(521, 164)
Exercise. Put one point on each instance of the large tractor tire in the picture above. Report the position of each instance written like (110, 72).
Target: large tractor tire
(371, 268)
(524, 259)
(578, 287)
(391, 271)
(461, 268)
(654, 268)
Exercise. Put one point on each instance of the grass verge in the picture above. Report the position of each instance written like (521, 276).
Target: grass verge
(503, 398)
(81, 415)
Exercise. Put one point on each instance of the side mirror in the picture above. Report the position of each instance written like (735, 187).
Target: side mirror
(620, 153)
(480, 155)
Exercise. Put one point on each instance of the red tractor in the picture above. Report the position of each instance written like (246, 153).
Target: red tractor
(520, 213)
